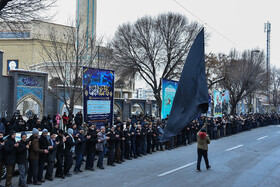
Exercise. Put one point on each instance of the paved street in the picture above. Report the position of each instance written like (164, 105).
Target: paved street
(246, 159)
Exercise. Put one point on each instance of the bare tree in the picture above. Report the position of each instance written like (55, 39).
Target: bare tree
(154, 48)
(64, 57)
(215, 68)
(274, 86)
(244, 75)
(21, 11)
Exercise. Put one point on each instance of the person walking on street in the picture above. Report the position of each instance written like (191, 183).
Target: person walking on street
(202, 148)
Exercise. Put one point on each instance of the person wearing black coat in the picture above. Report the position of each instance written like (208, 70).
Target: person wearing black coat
(90, 147)
(139, 140)
(132, 132)
(79, 119)
(22, 159)
(111, 146)
(55, 129)
(127, 141)
(43, 158)
(118, 141)
(68, 152)
(1, 153)
(155, 138)
(51, 156)
(80, 149)
(9, 157)
(149, 138)
(60, 154)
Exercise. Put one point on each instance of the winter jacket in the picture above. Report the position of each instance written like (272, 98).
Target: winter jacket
(202, 140)
(43, 144)
(34, 149)
(80, 144)
(100, 145)
(69, 144)
(22, 152)
(52, 152)
(91, 143)
(9, 157)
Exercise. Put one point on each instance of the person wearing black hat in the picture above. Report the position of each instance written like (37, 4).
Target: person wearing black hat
(22, 159)
(10, 156)
(202, 147)
(60, 154)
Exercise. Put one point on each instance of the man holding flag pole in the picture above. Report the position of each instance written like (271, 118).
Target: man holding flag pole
(191, 98)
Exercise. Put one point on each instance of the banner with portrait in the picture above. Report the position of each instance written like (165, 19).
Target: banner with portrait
(169, 88)
(217, 103)
(225, 102)
(98, 96)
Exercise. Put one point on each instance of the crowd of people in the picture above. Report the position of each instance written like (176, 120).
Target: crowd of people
(63, 138)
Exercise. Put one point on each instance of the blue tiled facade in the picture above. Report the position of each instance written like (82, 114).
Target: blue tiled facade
(23, 91)
(30, 85)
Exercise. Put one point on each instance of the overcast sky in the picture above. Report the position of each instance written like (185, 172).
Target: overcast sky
(237, 23)
(240, 21)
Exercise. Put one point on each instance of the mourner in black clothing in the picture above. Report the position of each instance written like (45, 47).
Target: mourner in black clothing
(90, 147)
(22, 159)
(51, 156)
(9, 156)
(43, 158)
(60, 154)
(68, 153)
(111, 146)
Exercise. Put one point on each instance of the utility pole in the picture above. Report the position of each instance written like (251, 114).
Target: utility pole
(267, 30)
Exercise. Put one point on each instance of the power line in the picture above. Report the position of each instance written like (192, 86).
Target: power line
(215, 30)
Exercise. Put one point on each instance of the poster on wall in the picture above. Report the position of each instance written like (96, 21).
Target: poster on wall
(225, 101)
(217, 104)
(12, 64)
(169, 88)
(98, 96)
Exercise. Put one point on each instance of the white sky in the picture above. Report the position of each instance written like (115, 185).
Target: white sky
(241, 21)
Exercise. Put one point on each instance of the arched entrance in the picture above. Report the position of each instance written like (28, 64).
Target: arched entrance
(29, 106)
(117, 111)
(137, 109)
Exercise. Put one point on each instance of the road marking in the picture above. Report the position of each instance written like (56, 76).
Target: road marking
(262, 137)
(234, 147)
(182, 167)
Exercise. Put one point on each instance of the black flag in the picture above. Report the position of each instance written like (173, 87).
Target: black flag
(191, 98)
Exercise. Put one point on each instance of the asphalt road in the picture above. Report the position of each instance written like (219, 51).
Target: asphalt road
(246, 159)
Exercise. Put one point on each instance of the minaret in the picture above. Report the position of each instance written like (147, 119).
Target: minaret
(86, 17)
